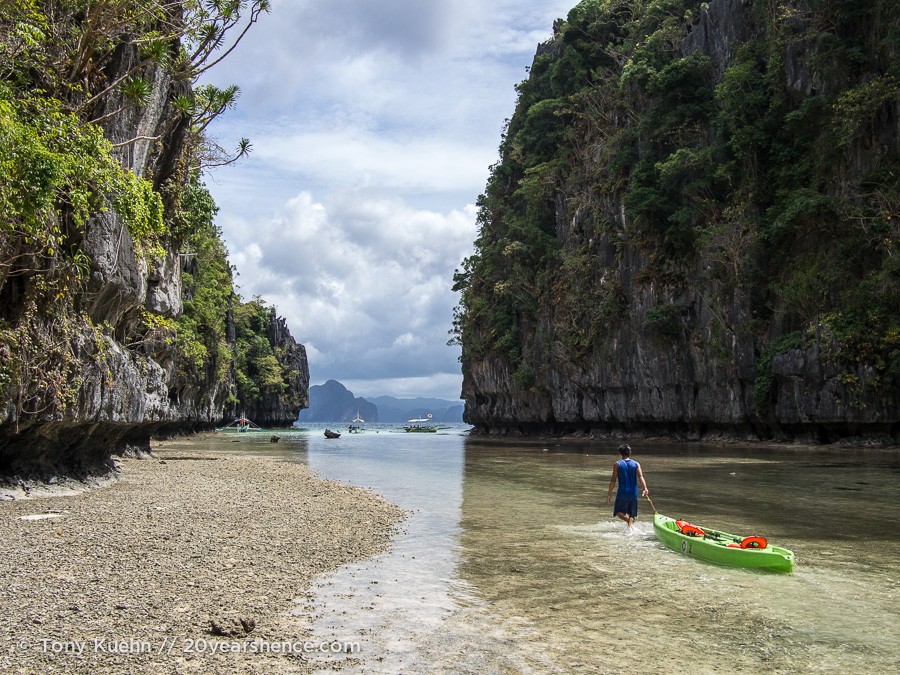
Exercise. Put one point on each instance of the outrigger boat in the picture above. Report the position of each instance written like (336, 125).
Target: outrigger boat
(721, 547)
(421, 425)
(241, 425)
(357, 424)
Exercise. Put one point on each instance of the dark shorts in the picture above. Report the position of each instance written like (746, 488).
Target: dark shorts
(626, 504)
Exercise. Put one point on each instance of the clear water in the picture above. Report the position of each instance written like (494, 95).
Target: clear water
(510, 560)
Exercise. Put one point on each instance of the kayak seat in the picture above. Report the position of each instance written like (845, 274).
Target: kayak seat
(690, 530)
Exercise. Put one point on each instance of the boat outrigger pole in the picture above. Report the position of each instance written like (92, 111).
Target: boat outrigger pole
(241, 424)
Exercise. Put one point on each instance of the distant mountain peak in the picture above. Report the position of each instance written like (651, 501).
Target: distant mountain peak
(333, 402)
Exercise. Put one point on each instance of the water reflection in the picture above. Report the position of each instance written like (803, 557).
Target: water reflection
(510, 560)
(539, 543)
(397, 603)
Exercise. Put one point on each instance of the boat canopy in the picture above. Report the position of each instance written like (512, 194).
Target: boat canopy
(241, 424)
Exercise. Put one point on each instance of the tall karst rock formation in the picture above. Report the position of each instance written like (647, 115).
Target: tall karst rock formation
(693, 227)
(113, 325)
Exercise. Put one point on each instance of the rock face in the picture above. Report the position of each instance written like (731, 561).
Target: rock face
(125, 391)
(640, 387)
(685, 360)
(281, 410)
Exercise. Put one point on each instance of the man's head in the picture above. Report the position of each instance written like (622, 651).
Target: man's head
(625, 450)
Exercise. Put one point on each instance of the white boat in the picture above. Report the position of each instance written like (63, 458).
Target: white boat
(357, 424)
(241, 425)
(421, 425)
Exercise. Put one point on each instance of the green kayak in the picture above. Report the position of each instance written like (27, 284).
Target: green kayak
(721, 547)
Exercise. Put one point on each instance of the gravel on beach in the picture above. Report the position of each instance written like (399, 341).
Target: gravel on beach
(185, 554)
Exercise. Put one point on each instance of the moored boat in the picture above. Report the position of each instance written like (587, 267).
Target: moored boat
(421, 425)
(721, 547)
(241, 425)
(357, 424)
(331, 434)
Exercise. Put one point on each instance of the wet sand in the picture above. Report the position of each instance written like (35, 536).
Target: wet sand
(185, 554)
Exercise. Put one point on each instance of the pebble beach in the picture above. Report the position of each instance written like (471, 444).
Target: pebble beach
(187, 562)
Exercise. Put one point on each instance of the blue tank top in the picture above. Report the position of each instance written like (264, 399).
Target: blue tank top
(628, 484)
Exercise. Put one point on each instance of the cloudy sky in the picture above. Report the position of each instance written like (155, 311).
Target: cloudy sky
(373, 125)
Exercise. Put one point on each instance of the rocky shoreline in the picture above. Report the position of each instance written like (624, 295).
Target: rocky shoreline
(189, 562)
(544, 432)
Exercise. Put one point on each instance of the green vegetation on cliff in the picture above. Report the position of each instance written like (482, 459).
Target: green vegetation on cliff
(766, 166)
(212, 310)
(76, 79)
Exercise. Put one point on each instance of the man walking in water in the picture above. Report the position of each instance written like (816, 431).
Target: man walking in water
(628, 472)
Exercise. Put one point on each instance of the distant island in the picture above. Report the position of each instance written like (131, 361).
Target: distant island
(333, 402)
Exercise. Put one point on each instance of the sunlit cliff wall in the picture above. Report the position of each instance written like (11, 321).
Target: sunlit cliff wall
(693, 228)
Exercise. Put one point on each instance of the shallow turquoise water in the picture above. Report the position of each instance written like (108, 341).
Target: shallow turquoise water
(510, 560)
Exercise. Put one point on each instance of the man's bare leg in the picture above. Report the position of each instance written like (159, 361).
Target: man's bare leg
(624, 516)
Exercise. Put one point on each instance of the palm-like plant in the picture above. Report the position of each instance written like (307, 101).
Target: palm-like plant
(137, 90)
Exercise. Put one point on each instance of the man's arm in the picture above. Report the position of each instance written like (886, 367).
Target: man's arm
(612, 483)
(643, 482)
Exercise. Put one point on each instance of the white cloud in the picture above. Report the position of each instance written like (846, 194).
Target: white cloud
(377, 305)
(356, 155)
(373, 127)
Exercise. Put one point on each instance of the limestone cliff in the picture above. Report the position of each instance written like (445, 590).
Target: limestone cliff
(693, 228)
(280, 407)
(94, 356)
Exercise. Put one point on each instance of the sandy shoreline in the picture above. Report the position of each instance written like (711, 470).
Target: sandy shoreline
(182, 547)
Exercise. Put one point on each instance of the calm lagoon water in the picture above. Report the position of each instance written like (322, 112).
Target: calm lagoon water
(511, 562)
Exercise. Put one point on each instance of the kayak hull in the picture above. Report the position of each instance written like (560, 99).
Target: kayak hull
(714, 548)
